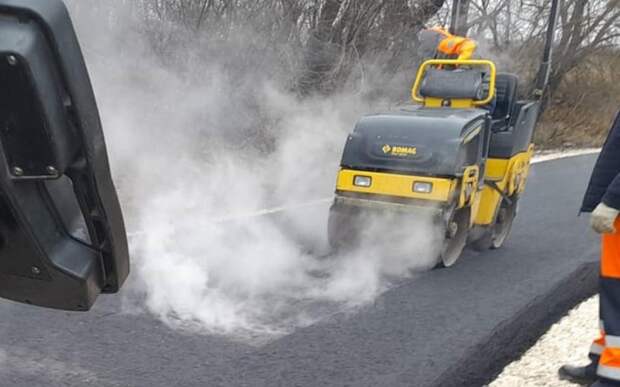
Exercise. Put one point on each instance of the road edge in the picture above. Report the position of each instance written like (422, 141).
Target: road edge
(512, 338)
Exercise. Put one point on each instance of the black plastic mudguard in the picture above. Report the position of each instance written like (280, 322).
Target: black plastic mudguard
(62, 236)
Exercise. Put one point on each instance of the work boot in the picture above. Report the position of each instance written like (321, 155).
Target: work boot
(579, 375)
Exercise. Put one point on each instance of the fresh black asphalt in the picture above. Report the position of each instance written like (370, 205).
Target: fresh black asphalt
(453, 327)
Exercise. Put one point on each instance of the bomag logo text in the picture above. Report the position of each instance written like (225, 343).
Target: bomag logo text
(402, 151)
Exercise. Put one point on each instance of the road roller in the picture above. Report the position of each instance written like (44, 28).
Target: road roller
(459, 155)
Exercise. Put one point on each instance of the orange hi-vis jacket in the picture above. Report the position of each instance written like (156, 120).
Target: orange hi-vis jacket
(453, 46)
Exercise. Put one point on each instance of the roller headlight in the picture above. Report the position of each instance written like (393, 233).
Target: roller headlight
(362, 181)
(422, 187)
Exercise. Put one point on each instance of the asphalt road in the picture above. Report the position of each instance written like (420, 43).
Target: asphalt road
(446, 327)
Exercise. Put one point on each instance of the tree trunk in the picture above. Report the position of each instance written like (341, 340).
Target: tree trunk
(460, 17)
(321, 51)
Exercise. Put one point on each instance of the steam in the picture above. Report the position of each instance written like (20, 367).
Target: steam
(198, 156)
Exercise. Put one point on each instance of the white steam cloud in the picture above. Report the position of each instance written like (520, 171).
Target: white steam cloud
(191, 176)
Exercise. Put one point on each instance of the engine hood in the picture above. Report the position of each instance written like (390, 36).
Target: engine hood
(413, 140)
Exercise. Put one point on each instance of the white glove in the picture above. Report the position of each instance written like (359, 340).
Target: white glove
(603, 219)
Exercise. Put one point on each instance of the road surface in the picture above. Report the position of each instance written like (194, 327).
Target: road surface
(446, 327)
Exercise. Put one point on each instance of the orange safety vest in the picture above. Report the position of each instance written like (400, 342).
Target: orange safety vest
(610, 254)
(453, 46)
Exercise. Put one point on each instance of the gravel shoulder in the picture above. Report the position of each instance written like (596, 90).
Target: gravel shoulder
(567, 341)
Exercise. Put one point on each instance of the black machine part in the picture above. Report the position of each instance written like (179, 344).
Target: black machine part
(456, 229)
(437, 134)
(506, 95)
(494, 236)
(453, 84)
(62, 236)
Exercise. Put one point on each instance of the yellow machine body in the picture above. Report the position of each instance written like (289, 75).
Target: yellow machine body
(508, 178)
(396, 185)
(503, 177)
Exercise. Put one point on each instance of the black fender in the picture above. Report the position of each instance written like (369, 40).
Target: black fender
(54, 172)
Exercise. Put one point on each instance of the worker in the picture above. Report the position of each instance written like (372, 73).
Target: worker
(438, 43)
(603, 200)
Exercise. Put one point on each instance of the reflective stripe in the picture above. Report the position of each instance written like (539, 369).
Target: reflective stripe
(607, 372)
(612, 341)
(596, 349)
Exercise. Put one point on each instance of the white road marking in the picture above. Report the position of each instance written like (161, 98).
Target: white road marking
(275, 210)
(543, 157)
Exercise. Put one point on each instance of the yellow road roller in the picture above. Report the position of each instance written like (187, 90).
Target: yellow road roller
(460, 156)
